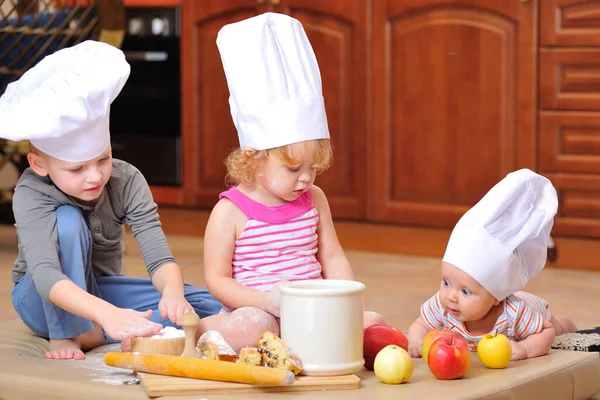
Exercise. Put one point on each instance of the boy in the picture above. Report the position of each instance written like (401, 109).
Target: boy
(70, 207)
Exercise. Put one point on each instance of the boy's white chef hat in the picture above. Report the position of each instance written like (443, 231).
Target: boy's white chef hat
(502, 241)
(62, 104)
(274, 82)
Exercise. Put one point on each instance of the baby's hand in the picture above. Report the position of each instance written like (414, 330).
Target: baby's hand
(519, 351)
(414, 350)
(126, 324)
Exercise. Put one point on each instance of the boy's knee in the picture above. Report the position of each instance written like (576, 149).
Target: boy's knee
(69, 223)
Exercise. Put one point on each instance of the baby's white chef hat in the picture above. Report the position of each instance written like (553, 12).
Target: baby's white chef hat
(502, 241)
(274, 82)
(62, 104)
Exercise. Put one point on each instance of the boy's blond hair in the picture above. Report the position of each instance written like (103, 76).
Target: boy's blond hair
(242, 163)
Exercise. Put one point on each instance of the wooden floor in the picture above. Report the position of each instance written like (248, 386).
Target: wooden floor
(397, 284)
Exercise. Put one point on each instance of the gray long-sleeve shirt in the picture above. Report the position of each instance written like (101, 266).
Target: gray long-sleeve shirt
(126, 198)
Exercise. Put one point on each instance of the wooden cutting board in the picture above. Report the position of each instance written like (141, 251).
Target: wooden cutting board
(162, 385)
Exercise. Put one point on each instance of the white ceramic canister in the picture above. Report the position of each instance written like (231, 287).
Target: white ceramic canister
(322, 322)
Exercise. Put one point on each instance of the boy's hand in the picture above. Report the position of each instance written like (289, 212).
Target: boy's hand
(174, 305)
(123, 324)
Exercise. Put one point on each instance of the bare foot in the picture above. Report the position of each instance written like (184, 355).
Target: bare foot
(563, 324)
(372, 318)
(126, 346)
(68, 349)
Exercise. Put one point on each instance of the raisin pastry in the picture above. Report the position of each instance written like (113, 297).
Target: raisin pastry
(212, 346)
(250, 356)
(275, 353)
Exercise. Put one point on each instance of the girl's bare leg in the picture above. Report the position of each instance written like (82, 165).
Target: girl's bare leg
(241, 328)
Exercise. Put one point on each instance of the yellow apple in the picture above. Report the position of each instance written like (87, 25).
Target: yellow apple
(494, 350)
(393, 365)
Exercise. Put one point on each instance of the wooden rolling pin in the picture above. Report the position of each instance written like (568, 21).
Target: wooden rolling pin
(198, 368)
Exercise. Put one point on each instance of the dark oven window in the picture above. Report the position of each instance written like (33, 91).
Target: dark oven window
(145, 120)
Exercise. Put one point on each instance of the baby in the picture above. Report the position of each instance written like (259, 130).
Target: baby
(495, 248)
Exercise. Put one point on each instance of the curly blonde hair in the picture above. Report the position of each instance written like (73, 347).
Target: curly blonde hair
(243, 163)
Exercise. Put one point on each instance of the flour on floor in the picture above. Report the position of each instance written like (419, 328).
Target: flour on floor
(102, 373)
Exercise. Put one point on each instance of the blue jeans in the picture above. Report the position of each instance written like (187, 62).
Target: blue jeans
(75, 254)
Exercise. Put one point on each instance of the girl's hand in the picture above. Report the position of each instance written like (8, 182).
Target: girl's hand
(123, 323)
(274, 300)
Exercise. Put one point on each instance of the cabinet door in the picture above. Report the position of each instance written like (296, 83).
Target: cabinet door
(337, 30)
(454, 104)
(208, 133)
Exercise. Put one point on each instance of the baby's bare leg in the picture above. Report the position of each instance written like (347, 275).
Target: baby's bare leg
(562, 324)
(372, 318)
(242, 327)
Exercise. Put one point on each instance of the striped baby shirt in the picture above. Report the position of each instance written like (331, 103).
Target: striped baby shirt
(278, 243)
(524, 315)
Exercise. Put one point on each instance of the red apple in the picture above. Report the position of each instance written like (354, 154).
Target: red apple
(378, 336)
(449, 357)
(431, 336)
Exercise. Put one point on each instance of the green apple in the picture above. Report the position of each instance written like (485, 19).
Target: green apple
(393, 365)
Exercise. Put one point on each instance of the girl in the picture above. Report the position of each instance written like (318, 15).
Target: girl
(274, 225)
(493, 251)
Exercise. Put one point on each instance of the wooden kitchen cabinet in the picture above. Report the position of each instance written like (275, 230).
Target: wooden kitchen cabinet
(429, 102)
(405, 150)
(569, 112)
(454, 104)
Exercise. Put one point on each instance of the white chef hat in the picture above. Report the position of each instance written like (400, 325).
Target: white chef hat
(502, 241)
(274, 82)
(62, 104)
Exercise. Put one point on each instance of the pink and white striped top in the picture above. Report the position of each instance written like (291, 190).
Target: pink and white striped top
(278, 243)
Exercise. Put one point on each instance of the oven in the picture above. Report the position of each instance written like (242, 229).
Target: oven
(145, 119)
